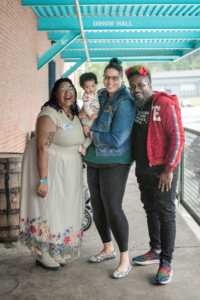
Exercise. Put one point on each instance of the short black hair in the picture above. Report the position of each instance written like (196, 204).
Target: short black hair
(87, 77)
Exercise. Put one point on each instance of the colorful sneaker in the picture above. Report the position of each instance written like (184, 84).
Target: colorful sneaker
(151, 257)
(164, 273)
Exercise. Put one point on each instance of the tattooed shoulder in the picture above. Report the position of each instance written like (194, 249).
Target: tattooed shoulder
(49, 139)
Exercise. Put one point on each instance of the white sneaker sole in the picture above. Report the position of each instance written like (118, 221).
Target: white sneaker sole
(166, 282)
(145, 263)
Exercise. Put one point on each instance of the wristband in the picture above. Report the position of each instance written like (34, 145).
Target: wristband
(89, 134)
(43, 180)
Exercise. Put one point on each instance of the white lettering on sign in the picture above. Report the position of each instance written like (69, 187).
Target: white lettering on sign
(112, 23)
(156, 116)
(102, 23)
(124, 23)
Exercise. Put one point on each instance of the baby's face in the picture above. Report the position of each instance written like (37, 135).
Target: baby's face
(89, 86)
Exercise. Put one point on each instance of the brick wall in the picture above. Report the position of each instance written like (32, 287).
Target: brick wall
(23, 89)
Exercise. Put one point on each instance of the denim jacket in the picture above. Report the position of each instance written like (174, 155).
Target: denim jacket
(112, 128)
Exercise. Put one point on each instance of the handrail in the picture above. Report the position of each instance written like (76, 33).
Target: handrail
(189, 176)
(194, 131)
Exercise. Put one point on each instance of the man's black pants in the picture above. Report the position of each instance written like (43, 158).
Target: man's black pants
(161, 213)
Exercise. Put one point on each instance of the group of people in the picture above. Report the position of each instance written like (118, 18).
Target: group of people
(115, 128)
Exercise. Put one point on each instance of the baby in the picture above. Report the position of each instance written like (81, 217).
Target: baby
(88, 82)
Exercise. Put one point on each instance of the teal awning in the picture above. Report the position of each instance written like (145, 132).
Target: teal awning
(133, 30)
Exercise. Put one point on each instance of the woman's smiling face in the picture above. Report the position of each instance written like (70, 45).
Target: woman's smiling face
(112, 80)
(65, 95)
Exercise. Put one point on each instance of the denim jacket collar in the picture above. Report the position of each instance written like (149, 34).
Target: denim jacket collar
(114, 97)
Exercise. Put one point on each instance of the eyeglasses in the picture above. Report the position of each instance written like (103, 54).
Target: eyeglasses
(114, 78)
(70, 89)
(140, 86)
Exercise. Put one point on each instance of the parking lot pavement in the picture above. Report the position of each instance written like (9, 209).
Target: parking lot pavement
(21, 279)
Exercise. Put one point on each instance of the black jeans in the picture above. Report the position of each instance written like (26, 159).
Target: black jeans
(107, 187)
(161, 213)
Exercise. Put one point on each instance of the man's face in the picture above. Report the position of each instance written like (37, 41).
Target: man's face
(140, 89)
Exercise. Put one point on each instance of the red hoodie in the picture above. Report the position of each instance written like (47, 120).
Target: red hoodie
(165, 134)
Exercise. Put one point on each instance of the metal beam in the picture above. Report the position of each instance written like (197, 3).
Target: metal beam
(120, 23)
(129, 59)
(186, 53)
(57, 48)
(132, 45)
(190, 35)
(106, 2)
(119, 53)
(72, 69)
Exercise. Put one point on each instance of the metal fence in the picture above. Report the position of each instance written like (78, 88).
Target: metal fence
(189, 176)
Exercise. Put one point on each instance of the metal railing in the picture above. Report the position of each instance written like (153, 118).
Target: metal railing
(189, 176)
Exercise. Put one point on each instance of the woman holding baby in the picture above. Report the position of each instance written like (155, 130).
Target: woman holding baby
(108, 161)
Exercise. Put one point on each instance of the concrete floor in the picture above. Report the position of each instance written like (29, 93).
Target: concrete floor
(21, 279)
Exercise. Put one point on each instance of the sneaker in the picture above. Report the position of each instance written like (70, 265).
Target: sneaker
(164, 273)
(151, 257)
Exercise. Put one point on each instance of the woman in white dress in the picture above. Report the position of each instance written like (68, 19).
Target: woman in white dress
(52, 184)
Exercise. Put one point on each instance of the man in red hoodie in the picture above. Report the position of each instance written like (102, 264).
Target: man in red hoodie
(158, 139)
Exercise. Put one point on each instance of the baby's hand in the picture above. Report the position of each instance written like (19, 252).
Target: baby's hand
(99, 92)
(93, 116)
(83, 150)
(86, 129)
(82, 114)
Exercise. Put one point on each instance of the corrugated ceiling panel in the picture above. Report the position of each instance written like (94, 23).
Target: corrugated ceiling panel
(118, 10)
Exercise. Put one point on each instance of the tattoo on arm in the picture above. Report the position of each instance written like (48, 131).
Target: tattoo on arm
(49, 139)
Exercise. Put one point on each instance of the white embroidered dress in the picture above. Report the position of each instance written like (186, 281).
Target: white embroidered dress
(54, 223)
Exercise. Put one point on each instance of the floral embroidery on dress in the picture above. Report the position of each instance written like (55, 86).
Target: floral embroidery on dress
(37, 236)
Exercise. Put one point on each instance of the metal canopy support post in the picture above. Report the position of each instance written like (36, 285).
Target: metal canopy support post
(82, 30)
(72, 69)
(57, 48)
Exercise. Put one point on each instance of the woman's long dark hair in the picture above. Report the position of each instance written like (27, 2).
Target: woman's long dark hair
(53, 102)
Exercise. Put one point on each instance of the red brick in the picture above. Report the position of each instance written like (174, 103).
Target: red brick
(23, 88)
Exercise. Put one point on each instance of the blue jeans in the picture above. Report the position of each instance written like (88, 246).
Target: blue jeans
(161, 213)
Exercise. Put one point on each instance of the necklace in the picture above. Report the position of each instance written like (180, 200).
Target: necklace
(68, 113)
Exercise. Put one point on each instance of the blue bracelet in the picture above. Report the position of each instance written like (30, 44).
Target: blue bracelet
(43, 180)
